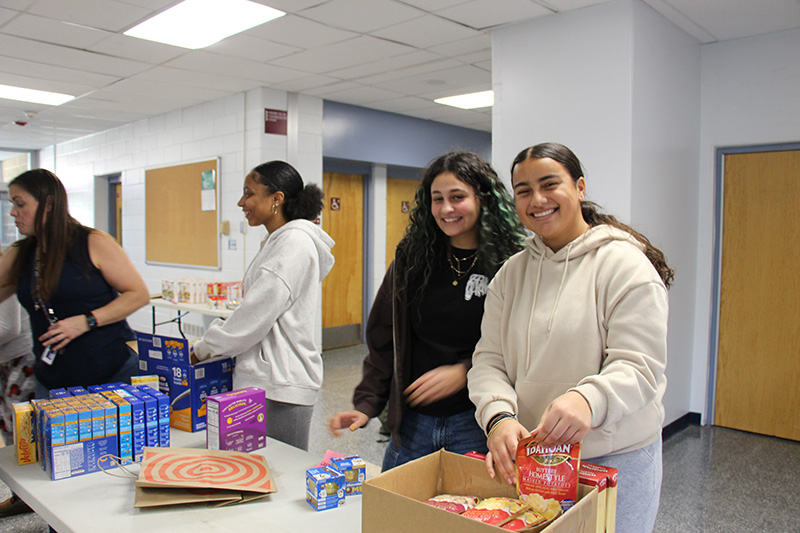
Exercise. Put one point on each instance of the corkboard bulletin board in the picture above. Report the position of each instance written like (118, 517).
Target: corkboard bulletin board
(177, 230)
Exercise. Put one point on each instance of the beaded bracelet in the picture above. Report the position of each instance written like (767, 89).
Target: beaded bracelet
(497, 418)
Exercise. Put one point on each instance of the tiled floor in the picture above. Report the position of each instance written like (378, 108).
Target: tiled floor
(715, 479)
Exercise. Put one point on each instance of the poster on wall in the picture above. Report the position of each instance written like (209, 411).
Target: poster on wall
(208, 193)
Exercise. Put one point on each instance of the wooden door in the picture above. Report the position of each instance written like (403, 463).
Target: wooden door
(758, 369)
(399, 199)
(343, 220)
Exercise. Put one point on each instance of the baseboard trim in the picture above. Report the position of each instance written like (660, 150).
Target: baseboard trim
(689, 419)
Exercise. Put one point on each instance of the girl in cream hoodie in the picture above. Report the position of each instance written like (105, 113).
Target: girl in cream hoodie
(272, 332)
(573, 338)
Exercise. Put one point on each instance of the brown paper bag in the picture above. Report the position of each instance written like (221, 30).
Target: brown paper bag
(171, 476)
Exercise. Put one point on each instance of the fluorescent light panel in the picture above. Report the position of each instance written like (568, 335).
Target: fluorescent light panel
(469, 101)
(32, 95)
(199, 23)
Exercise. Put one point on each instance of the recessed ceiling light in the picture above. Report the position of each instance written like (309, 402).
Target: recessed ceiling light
(469, 101)
(32, 95)
(200, 23)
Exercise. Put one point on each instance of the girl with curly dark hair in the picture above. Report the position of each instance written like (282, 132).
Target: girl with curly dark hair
(425, 320)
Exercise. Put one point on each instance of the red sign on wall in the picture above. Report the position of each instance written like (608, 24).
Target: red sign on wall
(336, 204)
(275, 121)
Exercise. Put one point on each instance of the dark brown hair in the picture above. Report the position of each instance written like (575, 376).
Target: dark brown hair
(55, 230)
(590, 210)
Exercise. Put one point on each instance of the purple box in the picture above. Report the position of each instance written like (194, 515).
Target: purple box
(237, 420)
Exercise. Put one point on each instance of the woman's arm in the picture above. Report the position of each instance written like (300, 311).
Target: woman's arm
(372, 393)
(635, 355)
(6, 260)
(270, 290)
(117, 270)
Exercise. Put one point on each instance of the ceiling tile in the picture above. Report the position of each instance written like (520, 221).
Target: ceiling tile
(103, 14)
(53, 31)
(201, 62)
(30, 69)
(137, 49)
(196, 79)
(343, 54)
(435, 65)
(299, 32)
(53, 85)
(6, 15)
(749, 18)
(480, 14)
(473, 44)
(388, 65)
(441, 82)
(361, 95)
(305, 84)
(401, 104)
(19, 5)
(360, 16)
(254, 48)
(426, 31)
(434, 5)
(289, 6)
(52, 54)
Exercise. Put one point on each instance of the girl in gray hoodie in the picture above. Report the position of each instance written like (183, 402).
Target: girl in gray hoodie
(271, 333)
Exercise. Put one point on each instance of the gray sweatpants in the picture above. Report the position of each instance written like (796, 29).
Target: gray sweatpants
(289, 423)
(638, 487)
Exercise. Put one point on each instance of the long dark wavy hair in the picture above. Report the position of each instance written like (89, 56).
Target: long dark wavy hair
(56, 231)
(298, 201)
(500, 233)
(590, 210)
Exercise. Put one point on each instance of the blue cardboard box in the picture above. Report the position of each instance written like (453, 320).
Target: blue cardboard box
(186, 386)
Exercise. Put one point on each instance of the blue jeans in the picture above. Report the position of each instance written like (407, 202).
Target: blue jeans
(421, 435)
(638, 487)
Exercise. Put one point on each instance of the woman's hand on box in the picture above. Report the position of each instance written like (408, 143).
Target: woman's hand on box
(347, 419)
(502, 444)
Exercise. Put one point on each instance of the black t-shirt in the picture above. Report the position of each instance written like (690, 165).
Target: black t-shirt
(446, 324)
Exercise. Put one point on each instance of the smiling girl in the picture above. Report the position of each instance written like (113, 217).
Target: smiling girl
(426, 316)
(271, 333)
(574, 336)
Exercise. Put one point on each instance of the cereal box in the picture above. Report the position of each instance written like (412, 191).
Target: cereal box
(354, 470)
(237, 420)
(24, 441)
(324, 488)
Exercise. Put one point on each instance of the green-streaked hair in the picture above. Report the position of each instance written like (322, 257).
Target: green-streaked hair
(500, 232)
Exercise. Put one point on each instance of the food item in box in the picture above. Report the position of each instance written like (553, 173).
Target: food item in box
(549, 508)
(493, 510)
(526, 519)
(550, 471)
(453, 503)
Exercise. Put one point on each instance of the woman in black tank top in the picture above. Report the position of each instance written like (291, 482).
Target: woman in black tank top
(76, 283)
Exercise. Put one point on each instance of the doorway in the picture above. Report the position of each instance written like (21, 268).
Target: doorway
(758, 369)
(399, 200)
(342, 289)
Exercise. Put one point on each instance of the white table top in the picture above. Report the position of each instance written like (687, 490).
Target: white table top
(100, 502)
(194, 308)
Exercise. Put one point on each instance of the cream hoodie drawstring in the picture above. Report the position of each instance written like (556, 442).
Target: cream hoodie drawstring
(558, 294)
(533, 306)
(536, 294)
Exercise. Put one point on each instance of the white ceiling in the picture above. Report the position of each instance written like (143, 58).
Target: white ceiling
(392, 55)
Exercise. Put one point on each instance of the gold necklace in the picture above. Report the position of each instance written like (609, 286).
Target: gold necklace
(457, 272)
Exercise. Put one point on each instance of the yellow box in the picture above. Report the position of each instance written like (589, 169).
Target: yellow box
(24, 440)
